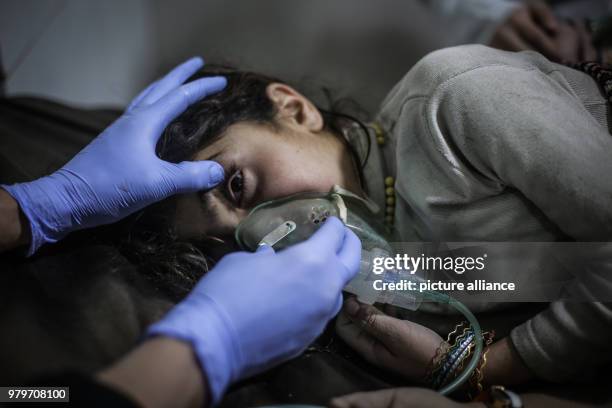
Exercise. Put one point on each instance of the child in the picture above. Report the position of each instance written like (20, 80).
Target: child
(473, 144)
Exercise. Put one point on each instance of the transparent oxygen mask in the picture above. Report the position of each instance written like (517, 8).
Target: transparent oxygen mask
(288, 221)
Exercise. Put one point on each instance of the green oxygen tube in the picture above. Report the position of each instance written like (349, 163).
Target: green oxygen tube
(460, 307)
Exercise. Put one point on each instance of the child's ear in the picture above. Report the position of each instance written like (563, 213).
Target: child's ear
(295, 107)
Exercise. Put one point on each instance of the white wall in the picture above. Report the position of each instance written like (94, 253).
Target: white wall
(101, 52)
(84, 52)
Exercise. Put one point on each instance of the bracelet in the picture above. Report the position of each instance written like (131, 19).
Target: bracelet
(477, 376)
(451, 355)
(454, 359)
(436, 362)
(439, 357)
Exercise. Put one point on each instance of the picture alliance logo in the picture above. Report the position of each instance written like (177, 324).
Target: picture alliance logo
(413, 264)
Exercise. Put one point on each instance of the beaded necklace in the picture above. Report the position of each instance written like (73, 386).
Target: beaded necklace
(388, 180)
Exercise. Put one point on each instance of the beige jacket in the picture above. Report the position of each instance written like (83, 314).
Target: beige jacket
(488, 145)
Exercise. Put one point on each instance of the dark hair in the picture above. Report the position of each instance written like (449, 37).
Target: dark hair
(150, 241)
(243, 100)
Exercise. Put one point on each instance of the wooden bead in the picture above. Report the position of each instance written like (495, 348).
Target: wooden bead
(377, 129)
(390, 200)
(389, 181)
(389, 219)
(390, 210)
(380, 140)
(390, 191)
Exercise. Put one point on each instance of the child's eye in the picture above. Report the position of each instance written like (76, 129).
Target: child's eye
(236, 186)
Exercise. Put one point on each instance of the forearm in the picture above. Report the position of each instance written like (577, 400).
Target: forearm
(162, 372)
(14, 226)
(504, 365)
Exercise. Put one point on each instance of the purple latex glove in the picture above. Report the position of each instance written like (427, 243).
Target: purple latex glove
(119, 173)
(254, 310)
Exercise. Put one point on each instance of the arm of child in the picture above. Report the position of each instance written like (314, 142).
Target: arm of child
(530, 132)
(523, 128)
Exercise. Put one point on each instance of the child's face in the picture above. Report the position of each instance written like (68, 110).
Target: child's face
(262, 163)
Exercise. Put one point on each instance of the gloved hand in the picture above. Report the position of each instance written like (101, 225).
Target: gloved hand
(119, 173)
(257, 309)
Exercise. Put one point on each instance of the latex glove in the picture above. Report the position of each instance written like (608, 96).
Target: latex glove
(402, 346)
(119, 173)
(257, 309)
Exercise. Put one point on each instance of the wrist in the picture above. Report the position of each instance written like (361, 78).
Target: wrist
(201, 323)
(448, 368)
(48, 208)
(505, 365)
(14, 224)
(162, 372)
